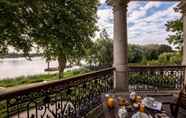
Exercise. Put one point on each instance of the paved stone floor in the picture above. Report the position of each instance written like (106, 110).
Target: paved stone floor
(173, 99)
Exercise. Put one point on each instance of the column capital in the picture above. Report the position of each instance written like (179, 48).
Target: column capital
(118, 4)
(182, 7)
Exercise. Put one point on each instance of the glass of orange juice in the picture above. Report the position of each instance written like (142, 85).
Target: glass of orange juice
(138, 99)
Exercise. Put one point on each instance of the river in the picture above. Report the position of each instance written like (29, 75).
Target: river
(15, 67)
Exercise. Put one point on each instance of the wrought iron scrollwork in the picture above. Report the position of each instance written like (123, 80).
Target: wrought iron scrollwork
(155, 78)
(71, 98)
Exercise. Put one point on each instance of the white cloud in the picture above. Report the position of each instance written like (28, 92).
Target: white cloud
(150, 5)
(136, 15)
(134, 5)
(102, 1)
(134, 12)
(144, 28)
(152, 29)
(105, 18)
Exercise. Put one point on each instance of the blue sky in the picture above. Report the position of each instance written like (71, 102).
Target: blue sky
(146, 21)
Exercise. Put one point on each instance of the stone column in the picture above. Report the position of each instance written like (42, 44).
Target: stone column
(183, 10)
(184, 36)
(120, 44)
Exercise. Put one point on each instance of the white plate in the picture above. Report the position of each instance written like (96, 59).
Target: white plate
(140, 115)
(152, 104)
(161, 115)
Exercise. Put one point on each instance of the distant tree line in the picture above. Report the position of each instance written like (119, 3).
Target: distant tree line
(101, 53)
(154, 54)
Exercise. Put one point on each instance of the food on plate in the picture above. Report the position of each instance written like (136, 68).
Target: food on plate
(140, 115)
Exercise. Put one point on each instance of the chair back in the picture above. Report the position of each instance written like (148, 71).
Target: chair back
(182, 98)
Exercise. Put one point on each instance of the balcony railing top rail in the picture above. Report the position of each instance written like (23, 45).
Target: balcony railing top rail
(155, 67)
(38, 86)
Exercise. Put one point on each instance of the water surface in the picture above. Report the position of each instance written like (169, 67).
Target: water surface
(15, 67)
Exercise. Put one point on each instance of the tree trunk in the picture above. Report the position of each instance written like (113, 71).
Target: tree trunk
(79, 62)
(48, 65)
(62, 64)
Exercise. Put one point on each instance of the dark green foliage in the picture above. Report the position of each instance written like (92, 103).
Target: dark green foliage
(135, 53)
(152, 51)
(138, 54)
(170, 58)
(156, 81)
(3, 109)
(14, 28)
(65, 26)
(101, 53)
(176, 27)
(104, 51)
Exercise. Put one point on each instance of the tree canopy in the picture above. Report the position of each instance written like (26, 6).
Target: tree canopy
(152, 51)
(170, 58)
(135, 53)
(14, 26)
(62, 28)
(175, 27)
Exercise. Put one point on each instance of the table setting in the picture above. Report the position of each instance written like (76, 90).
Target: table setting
(132, 106)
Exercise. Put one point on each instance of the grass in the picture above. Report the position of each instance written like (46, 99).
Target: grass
(38, 78)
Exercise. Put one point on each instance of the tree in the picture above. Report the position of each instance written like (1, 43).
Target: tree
(164, 48)
(101, 51)
(175, 27)
(152, 51)
(66, 27)
(164, 58)
(173, 58)
(104, 51)
(176, 59)
(62, 28)
(104, 46)
(135, 53)
(14, 29)
(91, 54)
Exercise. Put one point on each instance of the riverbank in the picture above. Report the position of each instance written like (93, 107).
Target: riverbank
(23, 80)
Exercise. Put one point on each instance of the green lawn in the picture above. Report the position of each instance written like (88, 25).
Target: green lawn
(38, 78)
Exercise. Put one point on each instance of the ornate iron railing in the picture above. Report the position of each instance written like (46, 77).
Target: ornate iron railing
(70, 98)
(76, 96)
(155, 78)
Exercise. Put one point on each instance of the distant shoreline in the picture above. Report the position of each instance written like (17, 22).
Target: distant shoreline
(15, 55)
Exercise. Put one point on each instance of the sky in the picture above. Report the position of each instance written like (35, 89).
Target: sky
(146, 21)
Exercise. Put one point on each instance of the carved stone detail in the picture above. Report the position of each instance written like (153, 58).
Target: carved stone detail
(182, 7)
(118, 4)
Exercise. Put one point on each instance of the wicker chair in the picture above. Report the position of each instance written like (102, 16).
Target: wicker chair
(180, 103)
